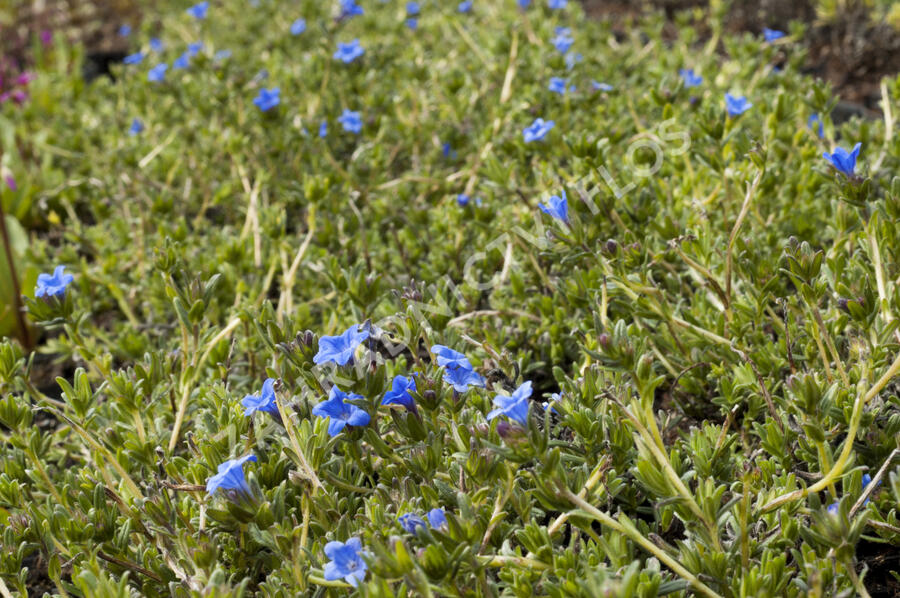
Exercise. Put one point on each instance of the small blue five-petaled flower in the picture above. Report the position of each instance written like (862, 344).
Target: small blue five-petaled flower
(563, 39)
(267, 98)
(412, 8)
(339, 349)
(842, 160)
(523, 4)
(599, 86)
(349, 8)
(182, 62)
(135, 58)
(771, 35)
(340, 412)
(736, 105)
(298, 26)
(866, 480)
(136, 128)
(450, 359)
(194, 48)
(437, 518)
(412, 23)
(557, 4)
(556, 207)
(465, 7)
(349, 52)
(231, 476)
(514, 407)
(399, 393)
(264, 401)
(351, 121)
(198, 11)
(156, 44)
(410, 521)
(157, 73)
(53, 285)
(558, 85)
(458, 372)
(323, 129)
(537, 130)
(346, 561)
(813, 121)
(690, 78)
(125, 30)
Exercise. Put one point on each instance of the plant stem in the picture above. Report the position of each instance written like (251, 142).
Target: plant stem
(844, 457)
(17, 291)
(631, 532)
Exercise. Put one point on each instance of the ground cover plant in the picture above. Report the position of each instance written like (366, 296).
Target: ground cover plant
(446, 299)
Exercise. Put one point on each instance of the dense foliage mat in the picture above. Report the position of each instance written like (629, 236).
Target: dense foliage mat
(447, 300)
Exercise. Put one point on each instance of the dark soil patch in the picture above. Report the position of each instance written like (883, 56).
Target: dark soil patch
(854, 51)
(883, 562)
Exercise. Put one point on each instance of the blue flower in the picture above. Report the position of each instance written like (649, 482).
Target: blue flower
(182, 62)
(462, 199)
(563, 39)
(772, 34)
(736, 105)
(264, 401)
(136, 127)
(523, 4)
(514, 407)
(556, 207)
(410, 522)
(346, 561)
(157, 73)
(690, 78)
(53, 285)
(549, 405)
(323, 129)
(465, 7)
(340, 412)
(399, 393)
(557, 4)
(125, 30)
(231, 476)
(572, 58)
(412, 8)
(450, 359)
(412, 23)
(267, 98)
(351, 121)
(222, 54)
(461, 379)
(198, 11)
(843, 161)
(194, 48)
(811, 123)
(437, 518)
(298, 26)
(866, 480)
(557, 85)
(349, 8)
(538, 130)
(339, 349)
(448, 151)
(156, 44)
(349, 52)
(601, 86)
(135, 58)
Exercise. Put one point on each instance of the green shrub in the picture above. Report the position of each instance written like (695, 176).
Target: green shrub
(714, 326)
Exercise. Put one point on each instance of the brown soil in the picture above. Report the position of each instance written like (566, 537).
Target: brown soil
(854, 52)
